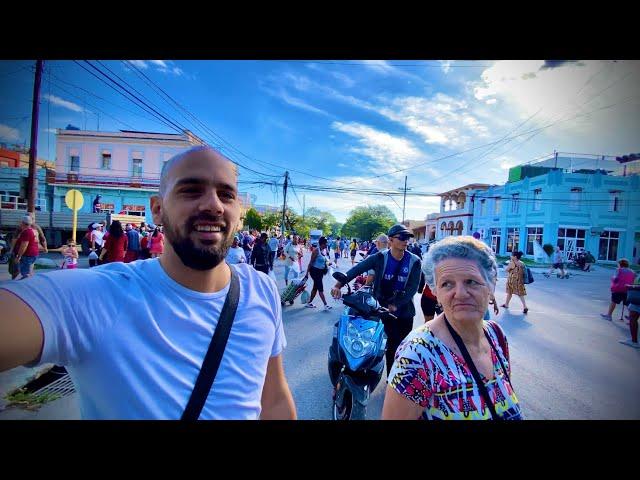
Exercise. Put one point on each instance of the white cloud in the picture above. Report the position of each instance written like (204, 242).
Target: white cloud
(491, 101)
(342, 165)
(440, 119)
(296, 102)
(159, 63)
(345, 79)
(177, 71)
(383, 153)
(383, 67)
(63, 103)
(8, 133)
(446, 65)
(140, 64)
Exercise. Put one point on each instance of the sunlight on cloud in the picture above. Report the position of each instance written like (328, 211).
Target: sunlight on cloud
(63, 103)
(8, 133)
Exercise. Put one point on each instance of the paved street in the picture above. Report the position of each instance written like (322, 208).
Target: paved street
(567, 362)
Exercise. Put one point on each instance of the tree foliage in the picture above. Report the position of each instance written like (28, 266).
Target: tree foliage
(365, 222)
(252, 219)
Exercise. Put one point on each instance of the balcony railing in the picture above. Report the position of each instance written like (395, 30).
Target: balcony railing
(13, 202)
(98, 180)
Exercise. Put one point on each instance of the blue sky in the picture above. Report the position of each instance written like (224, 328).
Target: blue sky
(351, 120)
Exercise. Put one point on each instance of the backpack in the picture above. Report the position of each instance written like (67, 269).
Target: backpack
(527, 276)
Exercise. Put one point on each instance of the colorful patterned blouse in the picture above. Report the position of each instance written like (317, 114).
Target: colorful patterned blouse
(428, 373)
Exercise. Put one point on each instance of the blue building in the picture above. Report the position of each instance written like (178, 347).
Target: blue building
(579, 202)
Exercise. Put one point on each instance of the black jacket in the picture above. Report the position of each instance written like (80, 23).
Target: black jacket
(260, 255)
(378, 263)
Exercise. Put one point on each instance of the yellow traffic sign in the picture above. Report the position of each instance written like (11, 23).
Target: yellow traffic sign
(74, 200)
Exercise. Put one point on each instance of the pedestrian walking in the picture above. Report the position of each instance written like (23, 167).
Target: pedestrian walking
(515, 280)
(157, 242)
(158, 363)
(236, 253)
(623, 277)
(260, 254)
(115, 244)
(26, 248)
(273, 246)
(558, 262)
(317, 269)
(353, 249)
(133, 244)
(633, 298)
(457, 366)
(292, 252)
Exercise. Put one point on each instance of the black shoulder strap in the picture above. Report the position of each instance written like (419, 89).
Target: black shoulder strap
(474, 371)
(214, 354)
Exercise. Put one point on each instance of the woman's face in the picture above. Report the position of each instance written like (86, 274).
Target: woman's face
(462, 290)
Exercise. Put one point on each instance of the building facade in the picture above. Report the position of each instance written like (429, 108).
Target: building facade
(122, 167)
(456, 210)
(577, 202)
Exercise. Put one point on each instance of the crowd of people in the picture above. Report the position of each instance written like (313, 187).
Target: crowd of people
(212, 288)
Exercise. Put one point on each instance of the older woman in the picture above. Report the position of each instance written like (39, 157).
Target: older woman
(455, 366)
(515, 281)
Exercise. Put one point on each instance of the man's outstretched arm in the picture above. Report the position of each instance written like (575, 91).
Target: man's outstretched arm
(21, 334)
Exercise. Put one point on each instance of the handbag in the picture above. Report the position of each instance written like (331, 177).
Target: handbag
(214, 354)
(527, 276)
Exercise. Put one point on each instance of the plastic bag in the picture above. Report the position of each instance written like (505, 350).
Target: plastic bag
(93, 255)
(304, 296)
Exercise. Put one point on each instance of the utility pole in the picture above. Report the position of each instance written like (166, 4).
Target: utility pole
(284, 203)
(303, 206)
(404, 202)
(32, 185)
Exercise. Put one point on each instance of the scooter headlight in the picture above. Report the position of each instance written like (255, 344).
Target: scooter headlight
(357, 343)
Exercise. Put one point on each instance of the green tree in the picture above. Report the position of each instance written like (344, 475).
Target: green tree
(271, 220)
(252, 219)
(365, 222)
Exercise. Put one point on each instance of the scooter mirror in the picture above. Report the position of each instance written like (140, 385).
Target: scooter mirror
(341, 277)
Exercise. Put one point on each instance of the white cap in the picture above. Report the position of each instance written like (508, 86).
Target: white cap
(95, 225)
(27, 220)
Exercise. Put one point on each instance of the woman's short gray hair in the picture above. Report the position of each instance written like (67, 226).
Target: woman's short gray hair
(465, 247)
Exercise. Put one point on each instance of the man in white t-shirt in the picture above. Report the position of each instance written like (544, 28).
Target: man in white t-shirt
(236, 253)
(97, 237)
(145, 366)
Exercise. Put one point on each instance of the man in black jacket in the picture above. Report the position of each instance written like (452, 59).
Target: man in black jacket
(260, 254)
(396, 281)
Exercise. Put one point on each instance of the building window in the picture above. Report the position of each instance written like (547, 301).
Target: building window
(608, 249)
(537, 202)
(74, 163)
(616, 201)
(107, 208)
(461, 200)
(574, 198)
(459, 227)
(497, 206)
(515, 201)
(495, 240)
(136, 167)
(534, 235)
(106, 161)
(483, 210)
(513, 239)
(571, 241)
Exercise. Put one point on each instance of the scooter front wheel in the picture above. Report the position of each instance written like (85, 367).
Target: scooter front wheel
(343, 413)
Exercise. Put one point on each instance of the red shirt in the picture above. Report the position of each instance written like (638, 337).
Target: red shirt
(28, 235)
(116, 248)
(428, 293)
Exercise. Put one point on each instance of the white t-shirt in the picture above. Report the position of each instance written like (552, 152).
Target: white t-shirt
(291, 250)
(235, 255)
(133, 339)
(273, 244)
(98, 236)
